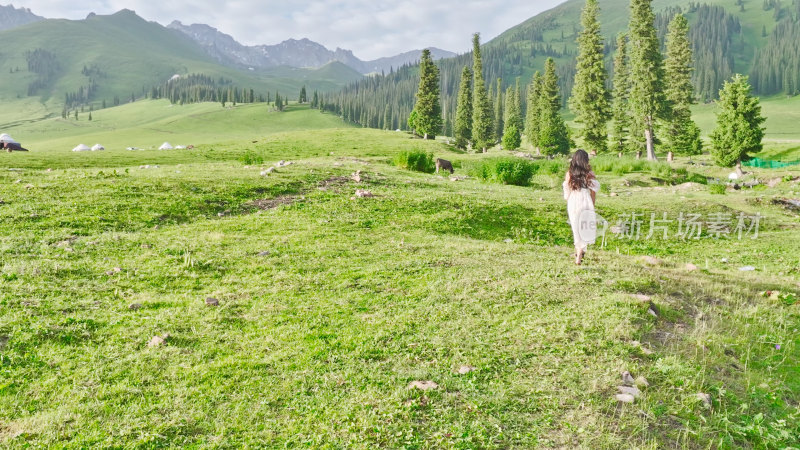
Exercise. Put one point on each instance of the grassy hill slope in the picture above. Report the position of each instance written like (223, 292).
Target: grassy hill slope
(146, 124)
(129, 55)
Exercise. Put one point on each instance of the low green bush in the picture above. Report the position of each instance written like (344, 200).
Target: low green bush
(717, 188)
(513, 171)
(251, 159)
(416, 160)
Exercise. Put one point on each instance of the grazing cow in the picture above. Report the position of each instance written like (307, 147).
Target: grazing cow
(11, 146)
(444, 165)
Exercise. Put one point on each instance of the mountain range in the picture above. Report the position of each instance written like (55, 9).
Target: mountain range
(11, 17)
(302, 53)
(299, 53)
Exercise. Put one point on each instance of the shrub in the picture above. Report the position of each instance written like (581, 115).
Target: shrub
(717, 188)
(506, 170)
(416, 160)
(517, 172)
(251, 158)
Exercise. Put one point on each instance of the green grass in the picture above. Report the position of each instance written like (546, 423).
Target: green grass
(315, 342)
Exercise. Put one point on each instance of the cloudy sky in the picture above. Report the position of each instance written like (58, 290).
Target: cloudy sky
(370, 28)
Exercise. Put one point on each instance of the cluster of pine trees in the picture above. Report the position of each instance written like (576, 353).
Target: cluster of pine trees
(194, 88)
(716, 37)
(777, 67)
(651, 92)
(45, 65)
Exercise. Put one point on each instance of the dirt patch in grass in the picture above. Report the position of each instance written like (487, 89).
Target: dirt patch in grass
(333, 183)
(272, 203)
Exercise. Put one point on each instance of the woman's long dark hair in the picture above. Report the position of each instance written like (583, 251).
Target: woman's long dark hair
(580, 172)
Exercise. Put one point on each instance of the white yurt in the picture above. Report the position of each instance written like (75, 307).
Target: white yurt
(97, 147)
(81, 148)
(6, 138)
(166, 146)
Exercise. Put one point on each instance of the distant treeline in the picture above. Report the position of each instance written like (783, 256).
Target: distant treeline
(195, 88)
(776, 69)
(45, 65)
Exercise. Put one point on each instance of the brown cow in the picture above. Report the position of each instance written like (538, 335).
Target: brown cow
(444, 165)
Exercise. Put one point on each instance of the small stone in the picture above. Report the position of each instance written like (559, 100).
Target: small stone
(146, 246)
(652, 312)
(117, 269)
(724, 260)
(158, 341)
(423, 385)
(463, 370)
(356, 176)
(641, 297)
(631, 390)
(627, 379)
(135, 306)
(689, 267)
(747, 269)
(508, 241)
(264, 253)
(705, 398)
(613, 194)
(647, 351)
(28, 186)
(641, 382)
(625, 398)
(361, 193)
(270, 170)
(211, 301)
(650, 260)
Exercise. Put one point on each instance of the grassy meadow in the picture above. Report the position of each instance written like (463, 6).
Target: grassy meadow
(330, 305)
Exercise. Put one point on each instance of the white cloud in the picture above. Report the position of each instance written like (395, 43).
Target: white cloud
(371, 29)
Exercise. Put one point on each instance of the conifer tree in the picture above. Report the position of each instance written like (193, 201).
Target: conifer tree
(513, 122)
(498, 110)
(739, 132)
(428, 108)
(682, 134)
(553, 133)
(621, 114)
(589, 98)
(302, 98)
(533, 115)
(463, 127)
(482, 120)
(646, 99)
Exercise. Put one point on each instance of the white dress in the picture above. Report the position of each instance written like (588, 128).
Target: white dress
(581, 214)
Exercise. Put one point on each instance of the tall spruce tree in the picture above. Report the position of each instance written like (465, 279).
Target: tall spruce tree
(621, 115)
(482, 117)
(513, 120)
(590, 98)
(463, 126)
(533, 115)
(553, 133)
(498, 110)
(682, 134)
(646, 100)
(428, 121)
(739, 132)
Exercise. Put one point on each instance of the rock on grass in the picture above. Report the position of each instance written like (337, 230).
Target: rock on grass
(158, 341)
(423, 385)
(211, 301)
(625, 398)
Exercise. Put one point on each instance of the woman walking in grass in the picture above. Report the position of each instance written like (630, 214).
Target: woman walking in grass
(580, 190)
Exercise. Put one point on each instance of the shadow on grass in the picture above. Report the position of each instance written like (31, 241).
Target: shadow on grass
(522, 225)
